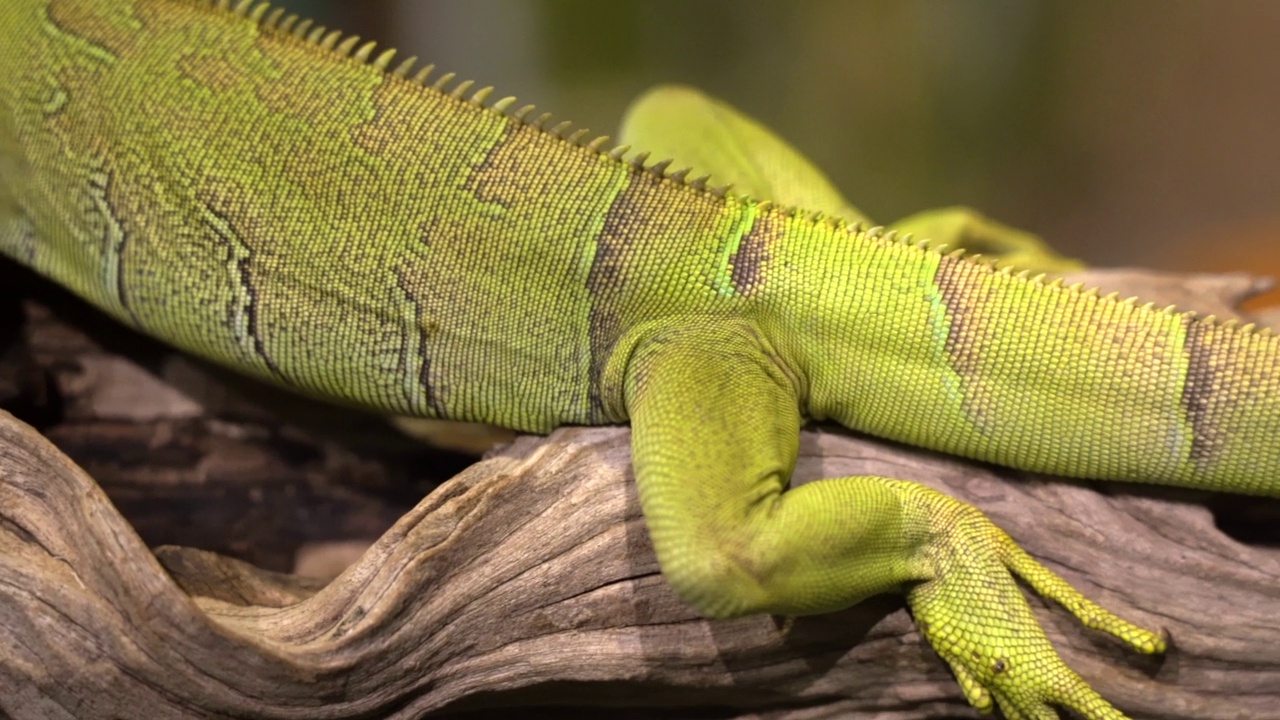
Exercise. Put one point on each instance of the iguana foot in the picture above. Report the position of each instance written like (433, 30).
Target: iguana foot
(975, 616)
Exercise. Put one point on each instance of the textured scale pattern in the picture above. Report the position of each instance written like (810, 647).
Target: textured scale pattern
(295, 205)
(1011, 662)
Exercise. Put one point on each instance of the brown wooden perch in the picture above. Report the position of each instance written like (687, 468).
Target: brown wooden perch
(528, 581)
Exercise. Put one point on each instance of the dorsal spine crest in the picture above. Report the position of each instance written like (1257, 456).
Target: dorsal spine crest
(276, 19)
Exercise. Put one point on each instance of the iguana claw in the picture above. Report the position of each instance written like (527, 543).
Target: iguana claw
(975, 616)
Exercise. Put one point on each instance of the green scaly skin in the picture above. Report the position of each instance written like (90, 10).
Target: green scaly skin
(279, 200)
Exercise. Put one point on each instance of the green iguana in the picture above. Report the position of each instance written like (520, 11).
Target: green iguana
(293, 204)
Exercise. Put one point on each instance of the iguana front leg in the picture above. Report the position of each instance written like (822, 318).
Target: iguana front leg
(716, 418)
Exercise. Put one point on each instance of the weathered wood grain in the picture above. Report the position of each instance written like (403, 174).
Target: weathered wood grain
(529, 579)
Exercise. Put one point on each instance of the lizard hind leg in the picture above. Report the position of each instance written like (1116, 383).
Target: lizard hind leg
(715, 431)
(715, 435)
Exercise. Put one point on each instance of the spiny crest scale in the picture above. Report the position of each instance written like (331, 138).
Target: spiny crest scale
(384, 59)
(424, 74)
(461, 89)
(442, 81)
(402, 70)
(363, 53)
(344, 47)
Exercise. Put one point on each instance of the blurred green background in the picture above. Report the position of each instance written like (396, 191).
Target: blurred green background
(1126, 132)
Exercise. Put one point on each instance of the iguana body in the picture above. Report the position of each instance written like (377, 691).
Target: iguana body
(273, 198)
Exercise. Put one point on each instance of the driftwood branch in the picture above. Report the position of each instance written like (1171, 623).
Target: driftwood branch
(531, 572)
(528, 581)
